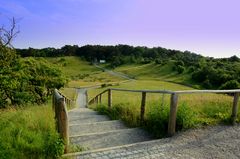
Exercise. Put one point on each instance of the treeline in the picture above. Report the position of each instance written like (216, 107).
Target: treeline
(209, 72)
(26, 80)
(114, 55)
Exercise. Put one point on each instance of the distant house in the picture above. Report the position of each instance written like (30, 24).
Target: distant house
(102, 61)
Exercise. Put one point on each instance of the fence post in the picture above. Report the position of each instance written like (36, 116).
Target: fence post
(109, 98)
(53, 101)
(86, 93)
(96, 98)
(143, 103)
(235, 108)
(173, 115)
(63, 122)
(100, 99)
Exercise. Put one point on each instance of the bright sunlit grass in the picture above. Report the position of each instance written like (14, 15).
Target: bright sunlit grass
(194, 109)
(29, 132)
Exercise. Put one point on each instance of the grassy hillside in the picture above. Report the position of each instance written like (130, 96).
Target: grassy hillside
(81, 73)
(154, 71)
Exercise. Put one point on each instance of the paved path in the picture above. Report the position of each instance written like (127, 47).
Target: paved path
(219, 142)
(81, 101)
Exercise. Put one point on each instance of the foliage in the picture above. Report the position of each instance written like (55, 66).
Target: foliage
(29, 132)
(26, 80)
(208, 72)
(233, 84)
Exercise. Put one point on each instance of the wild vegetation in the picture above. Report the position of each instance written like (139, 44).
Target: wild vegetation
(208, 72)
(194, 110)
(27, 125)
(29, 132)
(26, 80)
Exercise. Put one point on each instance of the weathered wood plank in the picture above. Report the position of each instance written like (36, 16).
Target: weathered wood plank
(235, 108)
(100, 98)
(143, 103)
(147, 91)
(109, 98)
(173, 115)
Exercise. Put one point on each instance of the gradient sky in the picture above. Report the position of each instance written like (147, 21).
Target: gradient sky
(207, 27)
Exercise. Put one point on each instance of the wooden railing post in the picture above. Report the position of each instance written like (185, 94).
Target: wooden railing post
(53, 101)
(100, 98)
(96, 99)
(109, 98)
(235, 108)
(173, 115)
(61, 116)
(143, 103)
(86, 93)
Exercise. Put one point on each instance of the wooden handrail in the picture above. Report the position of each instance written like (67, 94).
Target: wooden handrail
(207, 91)
(173, 102)
(61, 116)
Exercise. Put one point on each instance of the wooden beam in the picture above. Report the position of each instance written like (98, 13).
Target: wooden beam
(109, 98)
(63, 122)
(173, 115)
(100, 98)
(235, 108)
(143, 103)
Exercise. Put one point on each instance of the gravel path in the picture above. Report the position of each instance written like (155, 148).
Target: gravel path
(219, 142)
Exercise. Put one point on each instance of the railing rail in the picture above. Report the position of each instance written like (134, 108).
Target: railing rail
(59, 105)
(173, 102)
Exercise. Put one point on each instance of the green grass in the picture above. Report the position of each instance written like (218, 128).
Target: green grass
(154, 71)
(29, 132)
(195, 110)
(81, 73)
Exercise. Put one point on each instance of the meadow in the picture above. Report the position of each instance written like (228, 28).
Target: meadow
(29, 132)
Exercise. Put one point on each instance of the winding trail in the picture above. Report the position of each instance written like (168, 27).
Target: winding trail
(117, 74)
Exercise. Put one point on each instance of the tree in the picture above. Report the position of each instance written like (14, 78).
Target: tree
(7, 35)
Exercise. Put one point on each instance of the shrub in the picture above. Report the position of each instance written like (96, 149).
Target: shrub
(186, 117)
(180, 69)
(27, 80)
(233, 84)
(157, 119)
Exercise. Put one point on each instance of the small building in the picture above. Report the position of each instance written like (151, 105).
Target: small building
(102, 61)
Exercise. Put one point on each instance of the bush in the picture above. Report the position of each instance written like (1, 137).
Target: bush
(180, 69)
(157, 119)
(233, 84)
(186, 117)
(27, 80)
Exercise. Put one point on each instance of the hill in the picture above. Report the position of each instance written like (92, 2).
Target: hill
(178, 66)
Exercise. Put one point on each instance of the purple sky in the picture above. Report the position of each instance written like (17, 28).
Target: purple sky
(207, 27)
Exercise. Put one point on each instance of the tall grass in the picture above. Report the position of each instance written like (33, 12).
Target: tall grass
(194, 110)
(29, 132)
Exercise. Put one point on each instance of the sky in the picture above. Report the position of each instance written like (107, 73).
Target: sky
(206, 27)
